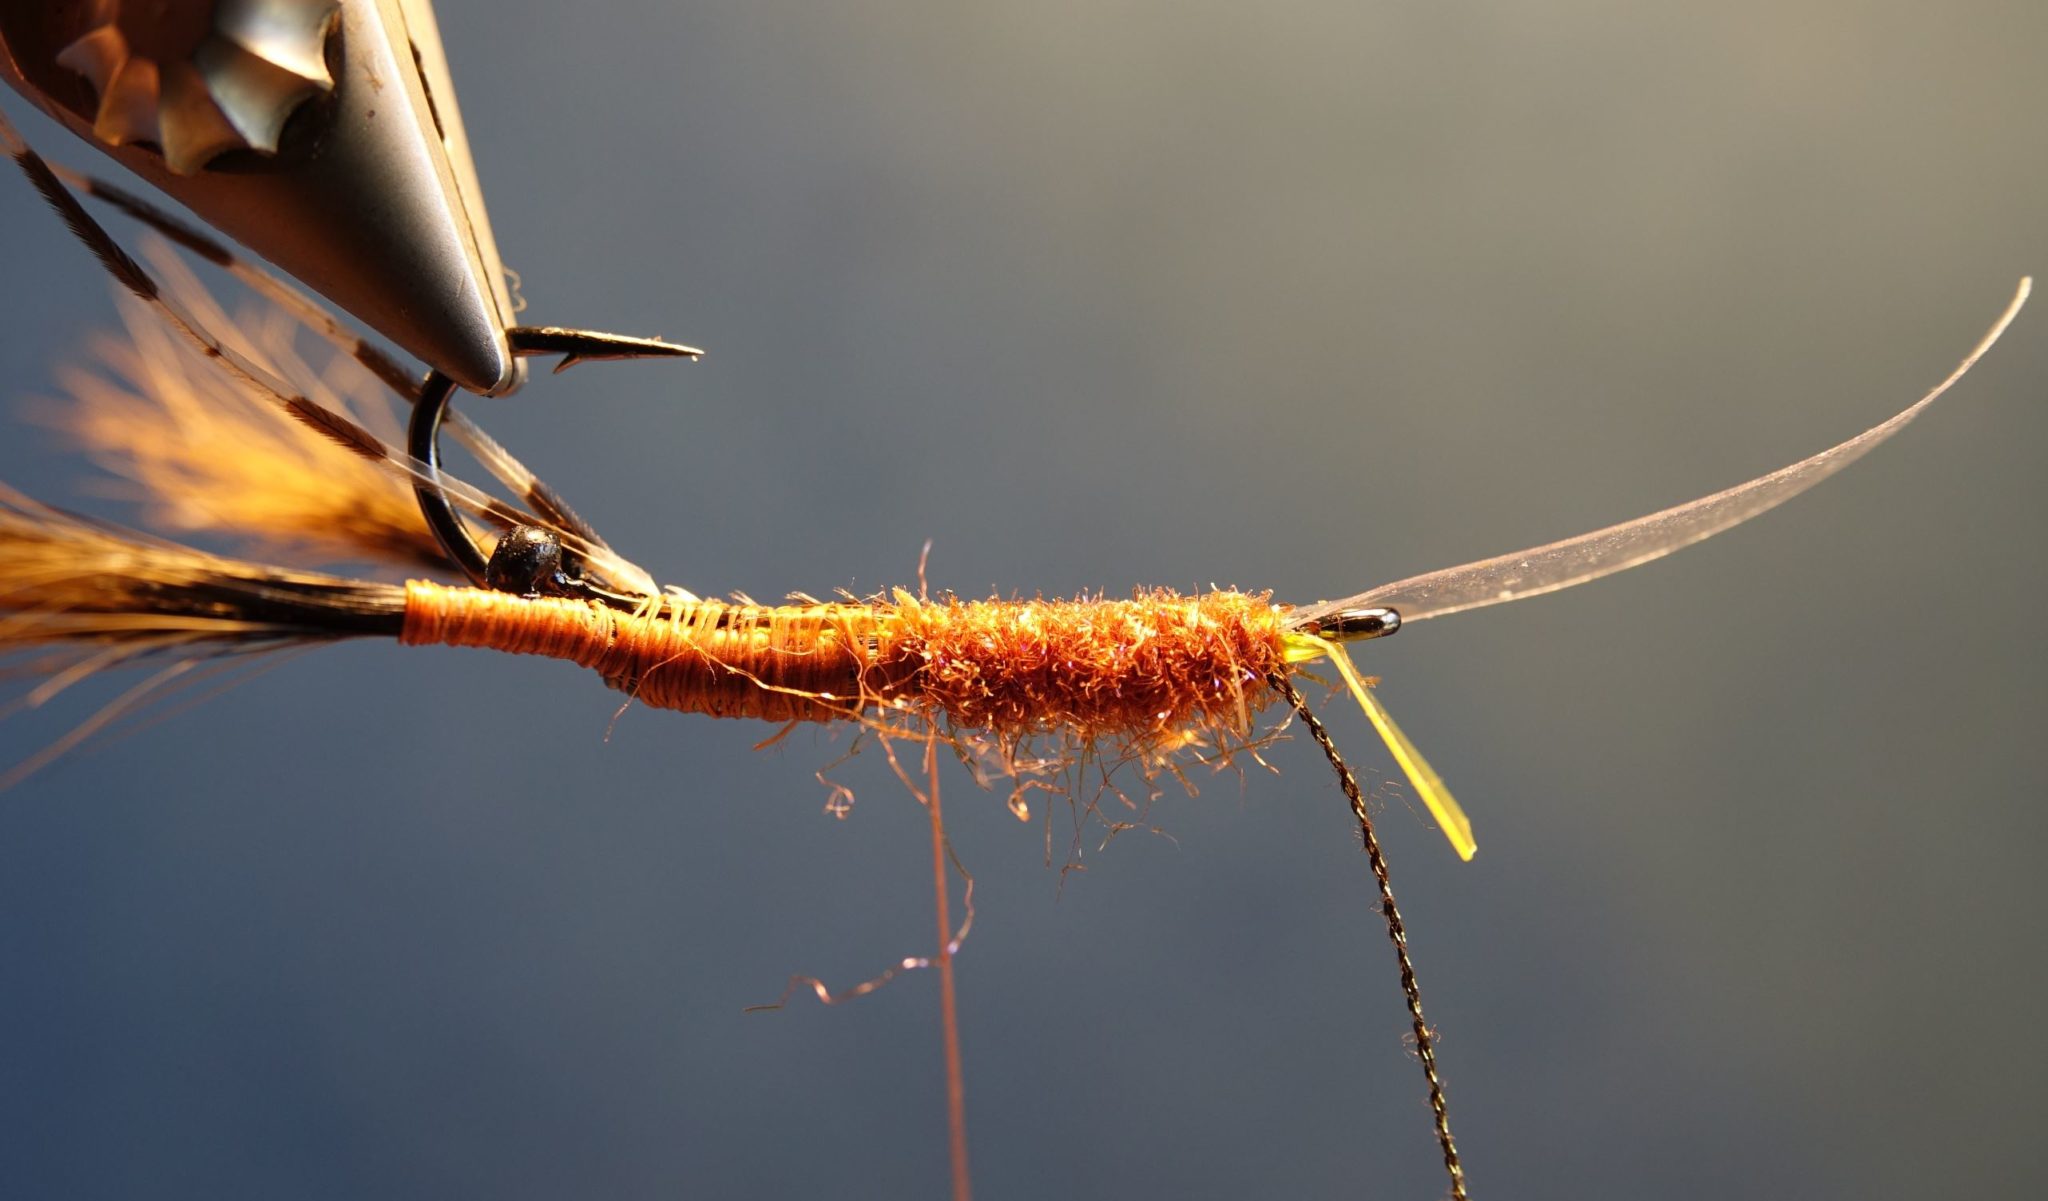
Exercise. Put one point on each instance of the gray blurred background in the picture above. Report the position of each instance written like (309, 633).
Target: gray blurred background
(1295, 296)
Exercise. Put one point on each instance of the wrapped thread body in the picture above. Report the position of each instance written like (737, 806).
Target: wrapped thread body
(1136, 669)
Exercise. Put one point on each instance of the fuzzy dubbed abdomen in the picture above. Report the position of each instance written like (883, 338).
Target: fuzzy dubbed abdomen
(1132, 668)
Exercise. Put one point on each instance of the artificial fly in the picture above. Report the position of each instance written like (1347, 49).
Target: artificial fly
(1138, 678)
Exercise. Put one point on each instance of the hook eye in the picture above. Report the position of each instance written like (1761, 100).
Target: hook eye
(1354, 625)
(423, 443)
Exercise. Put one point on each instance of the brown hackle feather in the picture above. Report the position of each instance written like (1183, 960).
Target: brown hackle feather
(70, 580)
(201, 455)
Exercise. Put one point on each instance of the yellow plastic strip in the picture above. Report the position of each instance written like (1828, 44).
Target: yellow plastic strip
(1428, 785)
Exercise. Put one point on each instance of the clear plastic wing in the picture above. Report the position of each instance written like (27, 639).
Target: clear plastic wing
(1573, 561)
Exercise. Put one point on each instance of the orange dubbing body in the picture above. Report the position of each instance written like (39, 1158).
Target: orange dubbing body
(1132, 669)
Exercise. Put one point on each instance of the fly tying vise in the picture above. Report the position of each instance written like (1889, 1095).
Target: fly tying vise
(1142, 677)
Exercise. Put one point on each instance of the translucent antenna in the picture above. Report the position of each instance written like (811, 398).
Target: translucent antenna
(1573, 561)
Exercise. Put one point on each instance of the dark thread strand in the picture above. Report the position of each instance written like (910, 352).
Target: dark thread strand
(1397, 931)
